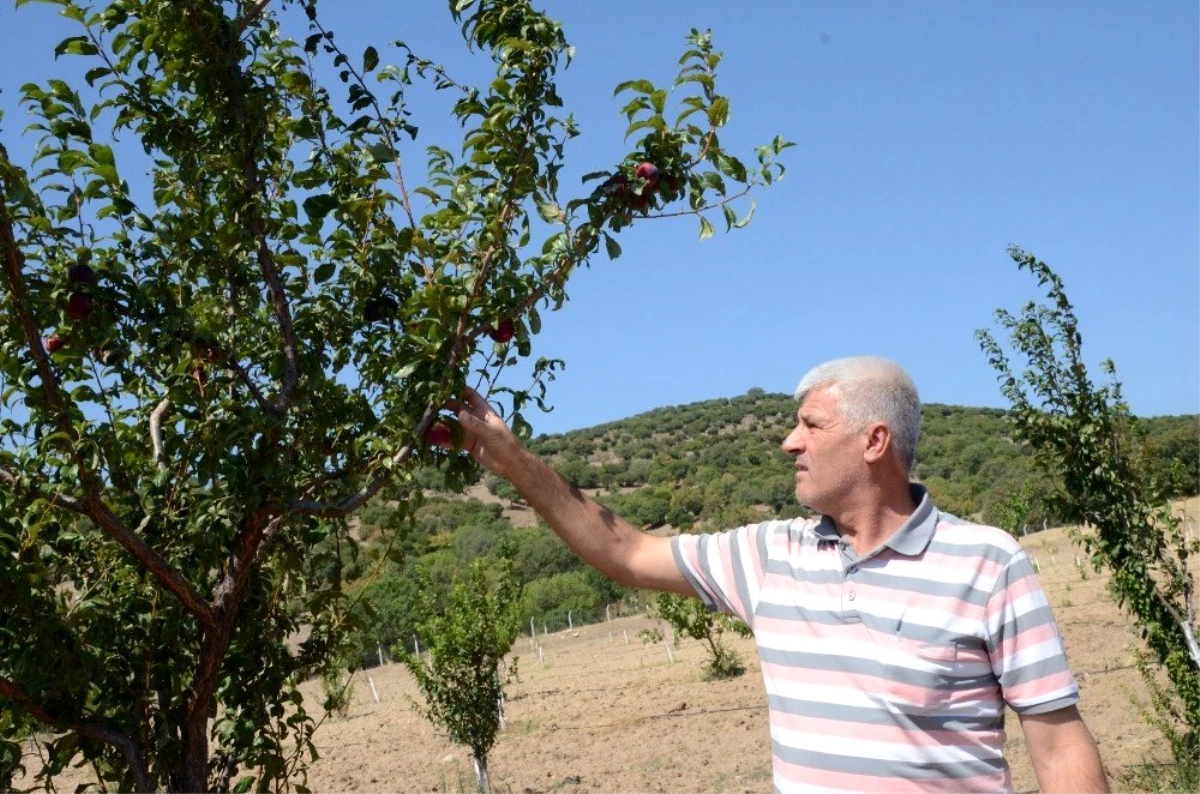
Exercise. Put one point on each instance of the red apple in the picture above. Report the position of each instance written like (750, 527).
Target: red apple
(503, 332)
(649, 172)
(381, 307)
(81, 274)
(79, 305)
(670, 187)
(617, 186)
(642, 202)
(54, 344)
(439, 435)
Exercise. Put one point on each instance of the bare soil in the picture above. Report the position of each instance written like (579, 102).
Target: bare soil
(607, 713)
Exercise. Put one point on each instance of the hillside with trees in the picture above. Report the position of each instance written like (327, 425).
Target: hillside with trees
(689, 468)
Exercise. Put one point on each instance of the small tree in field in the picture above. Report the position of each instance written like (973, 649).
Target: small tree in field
(1087, 442)
(466, 641)
(204, 374)
(690, 618)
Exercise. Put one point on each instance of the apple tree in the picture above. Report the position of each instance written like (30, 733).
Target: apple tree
(231, 310)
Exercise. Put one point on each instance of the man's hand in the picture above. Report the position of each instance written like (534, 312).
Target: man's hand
(485, 434)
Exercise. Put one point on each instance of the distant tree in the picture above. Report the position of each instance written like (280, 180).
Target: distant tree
(690, 618)
(1092, 451)
(465, 643)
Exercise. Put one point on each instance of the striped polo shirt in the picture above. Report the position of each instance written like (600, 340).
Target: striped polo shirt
(889, 671)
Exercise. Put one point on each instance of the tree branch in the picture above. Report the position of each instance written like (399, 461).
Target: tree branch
(283, 313)
(58, 500)
(360, 497)
(235, 78)
(389, 129)
(1184, 625)
(156, 420)
(150, 559)
(254, 13)
(127, 745)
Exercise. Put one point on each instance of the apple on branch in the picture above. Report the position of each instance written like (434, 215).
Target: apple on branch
(79, 306)
(504, 331)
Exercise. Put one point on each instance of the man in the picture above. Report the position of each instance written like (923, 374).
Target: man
(891, 635)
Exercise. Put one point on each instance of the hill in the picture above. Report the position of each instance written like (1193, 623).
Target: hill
(704, 466)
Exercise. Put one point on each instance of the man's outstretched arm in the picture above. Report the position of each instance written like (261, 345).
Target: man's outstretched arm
(599, 537)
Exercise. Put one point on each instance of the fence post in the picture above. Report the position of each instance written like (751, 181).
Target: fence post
(374, 691)
(570, 623)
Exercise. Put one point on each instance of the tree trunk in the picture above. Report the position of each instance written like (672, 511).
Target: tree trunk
(482, 776)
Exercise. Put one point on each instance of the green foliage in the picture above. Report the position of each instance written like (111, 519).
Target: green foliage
(1092, 451)
(338, 690)
(466, 642)
(258, 342)
(582, 594)
(690, 618)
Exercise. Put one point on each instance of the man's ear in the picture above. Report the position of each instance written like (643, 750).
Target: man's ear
(879, 442)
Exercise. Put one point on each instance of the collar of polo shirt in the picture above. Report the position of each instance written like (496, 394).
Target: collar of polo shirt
(910, 539)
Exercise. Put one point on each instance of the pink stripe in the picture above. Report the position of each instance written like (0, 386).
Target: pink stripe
(984, 567)
(1019, 588)
(877, 686)
(1027, 638)
(759, 563)
(844, 781)
(1036, 690)
(947, 605)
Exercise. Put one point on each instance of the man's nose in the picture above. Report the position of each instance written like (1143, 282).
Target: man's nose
(793, 443)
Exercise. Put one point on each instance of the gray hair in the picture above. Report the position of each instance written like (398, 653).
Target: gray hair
(872, 389)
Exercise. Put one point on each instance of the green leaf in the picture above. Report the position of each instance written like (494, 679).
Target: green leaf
(380, 153)
(75, 45)
(730, 216)
(611, 246)
(521, 428)
(370, 59)
(318, 206)
(706, 228)
(639, 86)
(323, 272)
(102, 154)
(550, 212)
(718, 112)
(742, 223)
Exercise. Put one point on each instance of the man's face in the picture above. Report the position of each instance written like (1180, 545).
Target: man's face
(828, 454)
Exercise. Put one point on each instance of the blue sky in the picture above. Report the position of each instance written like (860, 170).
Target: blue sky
(930, 136)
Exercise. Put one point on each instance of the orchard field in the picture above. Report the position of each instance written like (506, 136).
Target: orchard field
(609, 715)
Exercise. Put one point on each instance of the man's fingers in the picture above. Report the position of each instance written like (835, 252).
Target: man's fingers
(469, 400)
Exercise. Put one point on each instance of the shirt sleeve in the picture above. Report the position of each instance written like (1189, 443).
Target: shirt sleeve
(726, 569)
(1027, 652)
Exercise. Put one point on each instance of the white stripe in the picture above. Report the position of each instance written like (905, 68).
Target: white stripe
(902, 751)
